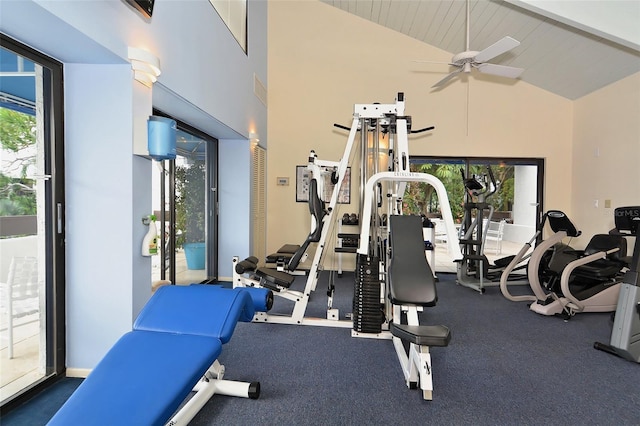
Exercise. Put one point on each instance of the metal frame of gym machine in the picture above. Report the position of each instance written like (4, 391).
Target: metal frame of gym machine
(368, 119)
(373, 250)
(625, 334)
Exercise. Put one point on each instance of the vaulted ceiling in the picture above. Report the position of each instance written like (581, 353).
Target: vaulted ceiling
(563, 58)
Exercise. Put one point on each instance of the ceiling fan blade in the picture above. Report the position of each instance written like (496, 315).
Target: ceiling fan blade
(498, 48)
(447, 78)
(501, 70)
(432, 62)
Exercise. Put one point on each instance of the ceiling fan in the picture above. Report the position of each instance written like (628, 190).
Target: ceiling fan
(469, 59)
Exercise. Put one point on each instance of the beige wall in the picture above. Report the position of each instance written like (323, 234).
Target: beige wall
(323, 60)
(606, 155)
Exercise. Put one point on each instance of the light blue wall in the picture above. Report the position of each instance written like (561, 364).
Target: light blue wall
(98, 164)
(235, 206)
(206, 81)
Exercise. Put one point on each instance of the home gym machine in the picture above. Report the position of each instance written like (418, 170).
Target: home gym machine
(383, 133)
(625, 336)
(393, 280)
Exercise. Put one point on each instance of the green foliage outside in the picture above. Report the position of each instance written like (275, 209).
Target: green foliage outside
(421, 198)
(17, 194)
(190, 203)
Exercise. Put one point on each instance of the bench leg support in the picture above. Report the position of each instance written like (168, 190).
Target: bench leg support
(422, 361)
(211, 384)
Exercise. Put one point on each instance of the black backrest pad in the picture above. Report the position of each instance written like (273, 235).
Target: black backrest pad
(411, 280)
(316, 208)
(605, 242)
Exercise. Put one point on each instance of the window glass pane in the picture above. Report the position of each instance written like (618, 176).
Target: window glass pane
(234, 15)
(23, 225)
(515, 200)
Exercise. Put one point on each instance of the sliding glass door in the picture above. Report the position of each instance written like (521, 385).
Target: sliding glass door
(187, 189)
(517, 199)
(31, 221)
(518, 196)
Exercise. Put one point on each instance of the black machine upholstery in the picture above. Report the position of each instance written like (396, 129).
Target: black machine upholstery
(316, 208)
(273, 279)
(429, 335)
(604, 268)
(270, 278)
(558, 221)
(411, 279)
(284, 253)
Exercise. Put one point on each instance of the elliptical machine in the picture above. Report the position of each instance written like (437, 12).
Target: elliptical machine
(475, 270)
(625, 336)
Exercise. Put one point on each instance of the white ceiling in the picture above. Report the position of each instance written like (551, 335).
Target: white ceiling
(561, 51)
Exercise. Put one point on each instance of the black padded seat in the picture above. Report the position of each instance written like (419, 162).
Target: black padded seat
(604, 268)
(281, 279)
(427, 335)
(278, 257)
(289, 248)
(411, 280)
(284, 253)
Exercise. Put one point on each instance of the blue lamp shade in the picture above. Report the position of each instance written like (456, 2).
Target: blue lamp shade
(162, 138)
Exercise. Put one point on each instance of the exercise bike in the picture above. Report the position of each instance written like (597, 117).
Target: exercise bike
(625, 336)
(567, 281)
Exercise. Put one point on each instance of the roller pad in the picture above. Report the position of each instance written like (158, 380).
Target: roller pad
(262, 297)
(427, 335)
(197, 309)
(246, 265)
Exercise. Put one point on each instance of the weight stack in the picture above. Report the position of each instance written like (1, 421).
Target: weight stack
(367, 312)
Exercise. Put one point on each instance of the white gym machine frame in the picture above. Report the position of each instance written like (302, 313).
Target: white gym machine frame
(384, 113)
(416, 363)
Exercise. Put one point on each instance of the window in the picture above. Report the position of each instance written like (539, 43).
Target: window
(234, 15)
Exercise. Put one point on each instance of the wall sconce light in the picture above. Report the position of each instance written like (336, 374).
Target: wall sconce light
(254, 138)
(146, 66)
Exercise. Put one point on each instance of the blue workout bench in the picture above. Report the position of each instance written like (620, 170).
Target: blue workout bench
(172, 351)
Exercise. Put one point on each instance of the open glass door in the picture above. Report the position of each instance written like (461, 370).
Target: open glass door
(31, 221)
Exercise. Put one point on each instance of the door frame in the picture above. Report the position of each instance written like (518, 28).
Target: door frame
(55, 291)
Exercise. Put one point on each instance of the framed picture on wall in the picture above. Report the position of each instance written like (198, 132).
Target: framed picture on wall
(302, 186)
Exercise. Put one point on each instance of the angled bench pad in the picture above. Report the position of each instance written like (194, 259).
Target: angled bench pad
(141, 366)
(148, 373)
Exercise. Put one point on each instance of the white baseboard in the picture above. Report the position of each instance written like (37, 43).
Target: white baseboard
(78, 372)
